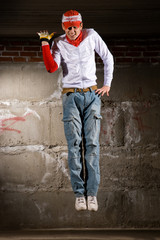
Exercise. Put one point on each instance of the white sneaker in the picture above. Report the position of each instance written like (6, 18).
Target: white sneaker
(80, 204)
(92, 203)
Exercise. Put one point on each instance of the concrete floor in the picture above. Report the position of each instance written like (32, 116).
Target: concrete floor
(83, 234)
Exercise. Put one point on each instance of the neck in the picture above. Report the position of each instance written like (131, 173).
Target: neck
(75, 42)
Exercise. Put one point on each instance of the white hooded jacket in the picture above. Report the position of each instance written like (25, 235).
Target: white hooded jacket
(78, 63)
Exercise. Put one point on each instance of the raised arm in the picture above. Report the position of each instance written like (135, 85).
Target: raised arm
(48, 58)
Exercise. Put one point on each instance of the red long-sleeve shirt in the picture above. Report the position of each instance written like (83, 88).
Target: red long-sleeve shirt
(49, 62)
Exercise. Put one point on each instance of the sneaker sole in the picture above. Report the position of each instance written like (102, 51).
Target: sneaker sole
(82, 209)
(93, 210)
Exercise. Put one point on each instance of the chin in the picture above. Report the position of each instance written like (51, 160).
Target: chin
(73, 38)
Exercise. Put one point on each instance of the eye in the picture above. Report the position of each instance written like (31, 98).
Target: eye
(70, 28)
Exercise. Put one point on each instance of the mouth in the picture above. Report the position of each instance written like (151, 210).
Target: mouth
(73, 36)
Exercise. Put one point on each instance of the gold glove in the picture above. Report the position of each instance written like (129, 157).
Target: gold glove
(45, 36)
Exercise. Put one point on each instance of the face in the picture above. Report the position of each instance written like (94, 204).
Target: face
(72, 32)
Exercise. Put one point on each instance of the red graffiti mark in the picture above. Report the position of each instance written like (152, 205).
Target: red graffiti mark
(103, 131)
(139, 111)
(138, 94)
(107, 131)
(8, 122)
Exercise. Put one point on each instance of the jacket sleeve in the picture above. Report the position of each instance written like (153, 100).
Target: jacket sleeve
(103, 51)
(49, 59)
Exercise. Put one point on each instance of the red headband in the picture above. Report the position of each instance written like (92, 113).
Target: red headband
(71, 18)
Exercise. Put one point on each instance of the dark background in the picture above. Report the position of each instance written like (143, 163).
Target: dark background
(107, 17)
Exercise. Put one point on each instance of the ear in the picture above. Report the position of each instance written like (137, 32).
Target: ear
(81, 25)
(63, 27)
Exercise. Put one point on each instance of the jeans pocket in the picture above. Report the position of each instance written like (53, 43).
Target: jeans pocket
(97, 118)
(68, 127)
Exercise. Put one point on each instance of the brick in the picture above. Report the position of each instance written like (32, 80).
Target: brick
(31, 48)
(150, 54)
(36, 42)
(141, 60)
(125, 48)
(123, 42)
(140, 42)
(19, 59)
(4, 42)
(28, 54)
(123, 60)
(153, 42)
(5, 59)
(18, 42)
(35, 60)
(118, 54)
(153, 48)
(1, 48)
(10, 54)
(40, 54)
(8, 48)
(137, 48)
(147, 42)
(133, 54)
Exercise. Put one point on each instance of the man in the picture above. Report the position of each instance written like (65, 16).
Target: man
(75, 52)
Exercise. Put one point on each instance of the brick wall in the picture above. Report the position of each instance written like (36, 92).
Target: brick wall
(125, 51)
(20, 50)
(134, 51)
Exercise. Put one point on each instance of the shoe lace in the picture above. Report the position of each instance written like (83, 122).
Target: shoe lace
(92, 200)
(81, 200)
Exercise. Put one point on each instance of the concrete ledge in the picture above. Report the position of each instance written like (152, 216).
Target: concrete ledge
(28, 81)
(56, 210)
(82, 234)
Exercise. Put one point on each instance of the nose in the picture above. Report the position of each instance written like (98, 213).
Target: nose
(72, 29)
(72, 32)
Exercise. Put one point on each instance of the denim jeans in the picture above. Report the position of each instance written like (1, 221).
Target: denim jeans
(81, 117)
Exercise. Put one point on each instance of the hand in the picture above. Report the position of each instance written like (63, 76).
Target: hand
(45, 36)
(103, 90)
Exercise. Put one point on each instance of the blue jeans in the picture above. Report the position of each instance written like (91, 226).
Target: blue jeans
(81, 117)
